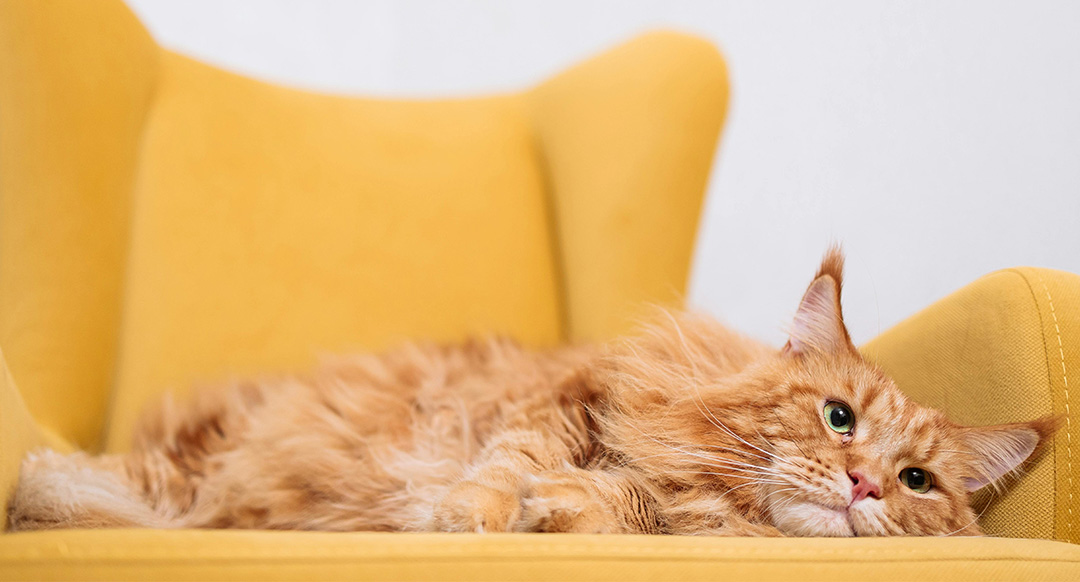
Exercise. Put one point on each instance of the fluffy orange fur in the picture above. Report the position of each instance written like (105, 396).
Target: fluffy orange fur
(688, 428)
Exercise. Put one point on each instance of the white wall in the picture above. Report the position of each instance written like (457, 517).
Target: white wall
(937, 140)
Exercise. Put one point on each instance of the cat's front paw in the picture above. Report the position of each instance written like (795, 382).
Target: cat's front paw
(565, 502)
(473, 507)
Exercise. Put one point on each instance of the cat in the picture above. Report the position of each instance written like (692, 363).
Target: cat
(688, 428)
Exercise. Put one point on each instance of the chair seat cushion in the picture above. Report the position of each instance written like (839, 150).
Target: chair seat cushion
(262, 555)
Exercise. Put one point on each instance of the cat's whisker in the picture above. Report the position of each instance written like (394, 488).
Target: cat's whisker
(716, 463)
(779, 491)
(744, 477)
(977, 517)
(783, 502)
(794, 440)
(766, 441)
(732, 465)
(704, 409)
(672, 447)
(705, 453)
(739, 452)
(760, 479)
(729, 491)
(777, 505)
(751, 468)
(700, 401)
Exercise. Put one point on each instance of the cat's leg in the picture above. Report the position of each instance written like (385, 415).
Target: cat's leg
(741, 527)
(733, 526)
(488, 498)
(574, 500)
(77, 491)
(697, 513)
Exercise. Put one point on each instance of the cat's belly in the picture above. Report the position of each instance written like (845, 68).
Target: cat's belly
(373, 443)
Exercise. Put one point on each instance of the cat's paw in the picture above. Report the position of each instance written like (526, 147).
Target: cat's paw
(565, 502)
(473, 507)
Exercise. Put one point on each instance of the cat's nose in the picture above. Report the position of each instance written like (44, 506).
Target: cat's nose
(862, 487)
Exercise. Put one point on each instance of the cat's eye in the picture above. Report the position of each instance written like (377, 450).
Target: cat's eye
(916, 479)
(839, 417)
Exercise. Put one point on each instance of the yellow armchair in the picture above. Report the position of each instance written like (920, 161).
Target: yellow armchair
(164, 222)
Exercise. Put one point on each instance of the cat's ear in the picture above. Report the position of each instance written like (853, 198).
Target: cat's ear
(819, 322)
(997, 450)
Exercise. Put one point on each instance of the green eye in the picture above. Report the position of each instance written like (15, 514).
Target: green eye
(916, 479)
(839, 417)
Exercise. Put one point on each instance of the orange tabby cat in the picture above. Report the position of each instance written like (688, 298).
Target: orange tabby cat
(688, 429)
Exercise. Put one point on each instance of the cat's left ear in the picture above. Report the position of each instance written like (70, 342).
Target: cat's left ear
(819, 323)
(997, 450)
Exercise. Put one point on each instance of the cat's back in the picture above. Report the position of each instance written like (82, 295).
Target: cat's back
(478, 384)
(677, 341)
(453, 393)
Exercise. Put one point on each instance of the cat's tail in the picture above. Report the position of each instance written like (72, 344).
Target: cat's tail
(79, 491)
(155, 485)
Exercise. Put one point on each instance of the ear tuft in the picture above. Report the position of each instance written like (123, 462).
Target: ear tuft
(998, 450)
(819, 321)
(832, 265)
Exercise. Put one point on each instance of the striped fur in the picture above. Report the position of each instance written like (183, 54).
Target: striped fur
(686, 428)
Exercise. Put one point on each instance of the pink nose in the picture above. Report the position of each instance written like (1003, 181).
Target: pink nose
(862, 487)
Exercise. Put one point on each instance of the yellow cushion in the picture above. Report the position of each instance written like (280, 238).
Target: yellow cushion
(72, 108)
(256, 555)
(272, 224)
(165, 223)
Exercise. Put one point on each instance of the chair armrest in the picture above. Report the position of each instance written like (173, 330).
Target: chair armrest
(1002, 349)
(76, 83)
(18, 434)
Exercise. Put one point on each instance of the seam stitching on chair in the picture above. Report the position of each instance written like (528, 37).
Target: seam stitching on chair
(1068, 416)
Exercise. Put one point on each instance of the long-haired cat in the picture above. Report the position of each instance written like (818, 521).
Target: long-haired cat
(689, 428)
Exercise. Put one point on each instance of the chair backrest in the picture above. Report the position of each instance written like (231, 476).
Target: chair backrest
(165, 223)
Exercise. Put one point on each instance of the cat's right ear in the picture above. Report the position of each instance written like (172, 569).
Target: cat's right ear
(995, 451)
(819, 322)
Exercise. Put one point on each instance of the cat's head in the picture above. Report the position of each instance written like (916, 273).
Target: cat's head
(811, 439)
(853, 455)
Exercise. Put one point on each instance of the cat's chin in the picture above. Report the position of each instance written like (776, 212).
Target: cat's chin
(808, 519)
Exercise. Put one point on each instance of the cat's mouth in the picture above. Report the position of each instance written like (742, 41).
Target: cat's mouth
(842, 512)
(815, 519)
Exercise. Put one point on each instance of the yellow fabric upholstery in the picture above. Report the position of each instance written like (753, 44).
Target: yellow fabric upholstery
(618, 134)
(199, 224)
(257, 555)
(76, 80)
(164, 223)
(343, 223)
